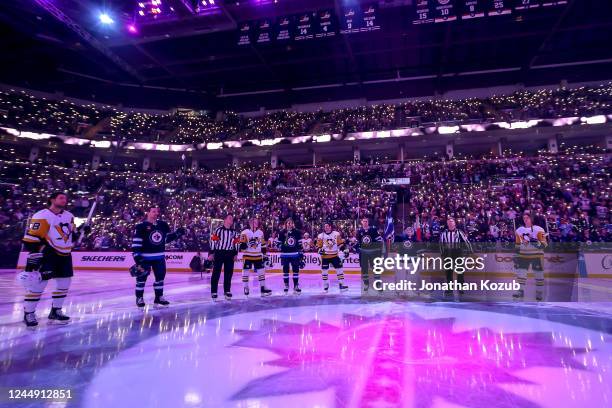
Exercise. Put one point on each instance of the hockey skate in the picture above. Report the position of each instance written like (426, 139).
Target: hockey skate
(140, 303)
(160, 302)
(297, 290)
(286, 290)
(246, 291)
(518, 295)
(30, 320)
(342, 287)
(265, 291)
(57, 316)
(325, 287)
(228, 295)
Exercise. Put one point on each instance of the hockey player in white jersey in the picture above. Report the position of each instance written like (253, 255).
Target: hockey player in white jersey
(49, 239)
(329, 243)
(253, 247)
(530, 243)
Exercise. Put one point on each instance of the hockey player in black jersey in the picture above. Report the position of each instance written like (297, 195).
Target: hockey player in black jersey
(148, 249)
(291, 255)
(369, 246)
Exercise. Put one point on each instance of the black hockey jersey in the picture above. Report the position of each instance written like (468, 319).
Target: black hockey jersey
(149, 241)
(369, 241)
(291, 243)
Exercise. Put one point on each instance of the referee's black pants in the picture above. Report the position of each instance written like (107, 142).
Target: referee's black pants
(222, 260)
(454, 254)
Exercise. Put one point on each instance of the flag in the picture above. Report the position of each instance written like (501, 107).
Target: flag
(389, 231)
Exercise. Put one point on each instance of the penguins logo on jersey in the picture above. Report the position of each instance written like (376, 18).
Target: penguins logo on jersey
(329, 243)
(366, 239)
(156, 237)
(253, 242)
(526, 238)
(64, 230)
(290, 241)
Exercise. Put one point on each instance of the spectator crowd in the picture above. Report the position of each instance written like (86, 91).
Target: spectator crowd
(568, 194)
(29, 113)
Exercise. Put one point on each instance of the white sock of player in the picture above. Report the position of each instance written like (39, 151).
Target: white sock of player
(32, 296)
(340, 275)
(61, 291)
(325, 276)
(245, 278)
(261, 277)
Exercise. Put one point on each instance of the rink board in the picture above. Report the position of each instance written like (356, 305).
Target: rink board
(501, 264)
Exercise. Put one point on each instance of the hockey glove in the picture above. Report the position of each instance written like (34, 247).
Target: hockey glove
(137, 271)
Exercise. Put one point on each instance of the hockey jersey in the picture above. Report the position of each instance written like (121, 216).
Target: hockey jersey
(530, 241)
(369, 241)
(328, 244)
(150, 240)
(253, 244)
(291, 243)
(54, 230)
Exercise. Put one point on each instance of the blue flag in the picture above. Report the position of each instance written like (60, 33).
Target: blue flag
(389, 231)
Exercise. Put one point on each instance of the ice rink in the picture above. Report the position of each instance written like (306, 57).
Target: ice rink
(312, 350)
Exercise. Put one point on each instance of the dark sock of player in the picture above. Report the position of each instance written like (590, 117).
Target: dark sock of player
(158, 287)
(140, 289)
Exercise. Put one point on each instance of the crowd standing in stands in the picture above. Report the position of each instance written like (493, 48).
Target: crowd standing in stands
(568, 194)
(28, 113)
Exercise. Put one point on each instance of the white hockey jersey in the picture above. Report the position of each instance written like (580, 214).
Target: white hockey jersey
(55, 230)
(255, 243)
(531, 241)
(329, 244)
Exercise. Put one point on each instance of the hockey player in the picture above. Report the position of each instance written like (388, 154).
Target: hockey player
(530, 243)
(49, 240)
(369, 246)
(307, 242)
(148, 249)
(328, 243)
(254, 248)
(291, 255)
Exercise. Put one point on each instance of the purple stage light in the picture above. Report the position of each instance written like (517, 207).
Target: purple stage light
(132, 28)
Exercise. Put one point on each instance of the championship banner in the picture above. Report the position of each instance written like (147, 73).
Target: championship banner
(264, 31)
(246, 33)
(283, 29)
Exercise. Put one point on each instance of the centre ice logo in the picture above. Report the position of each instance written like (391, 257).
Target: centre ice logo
(393, 353)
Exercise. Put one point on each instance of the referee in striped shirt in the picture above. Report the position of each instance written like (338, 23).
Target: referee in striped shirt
(223, 251)
(453, 244)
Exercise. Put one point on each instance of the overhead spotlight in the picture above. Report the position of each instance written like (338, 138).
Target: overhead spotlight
(106, 19)
(132, 28)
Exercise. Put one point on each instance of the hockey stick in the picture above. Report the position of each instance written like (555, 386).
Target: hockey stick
(99, 191)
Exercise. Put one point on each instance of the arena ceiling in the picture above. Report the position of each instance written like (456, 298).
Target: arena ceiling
(195, 61)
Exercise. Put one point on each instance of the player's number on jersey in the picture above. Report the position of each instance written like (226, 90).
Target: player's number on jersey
(35, 226)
